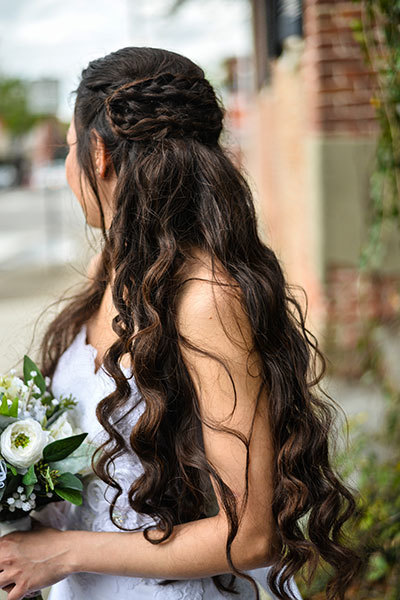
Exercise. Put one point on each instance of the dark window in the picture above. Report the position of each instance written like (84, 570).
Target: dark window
(284, 18)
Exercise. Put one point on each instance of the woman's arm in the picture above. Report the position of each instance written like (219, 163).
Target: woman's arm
(33, 560)
(198, 548)
(195, 549)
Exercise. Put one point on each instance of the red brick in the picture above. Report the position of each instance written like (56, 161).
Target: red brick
(340, 53)
(355, 299)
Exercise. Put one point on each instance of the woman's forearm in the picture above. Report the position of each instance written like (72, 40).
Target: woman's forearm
(194, 550)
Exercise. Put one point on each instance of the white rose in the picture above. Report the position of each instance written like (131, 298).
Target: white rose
(22, 442)
(61, 428)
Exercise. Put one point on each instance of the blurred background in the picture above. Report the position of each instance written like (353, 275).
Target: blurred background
(312, 92)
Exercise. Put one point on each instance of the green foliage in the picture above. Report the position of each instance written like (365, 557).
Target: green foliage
(53, 412)
(378, 32)
(73, 496)
(30, 476)
(69, 480)
(62, 448)
(14, 110)
(8, 411)
(379, 525)
(78, 461)
(30, 367)
(376, 529)
(69, 487)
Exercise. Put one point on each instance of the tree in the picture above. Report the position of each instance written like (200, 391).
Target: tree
(14, 109)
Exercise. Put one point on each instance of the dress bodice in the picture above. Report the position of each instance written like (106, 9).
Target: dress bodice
(75, 374)
(89, 387)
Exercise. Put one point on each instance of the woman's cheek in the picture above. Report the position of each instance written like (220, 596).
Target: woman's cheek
(71, 174)
(88, 203)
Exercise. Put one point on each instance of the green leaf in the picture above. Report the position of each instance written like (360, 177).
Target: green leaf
(28, 490)
(5, 421)
(30, 476)
(12, 483)
(62, 448)
(8, 411)
(12, 468)
(48, 478)
(55, 416)
(378, 567)
(68, 480)
(79, 461)
(29, 366)
(4, 406)
(73, 496)
(13, 409)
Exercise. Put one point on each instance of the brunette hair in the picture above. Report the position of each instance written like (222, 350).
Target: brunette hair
(177, 189)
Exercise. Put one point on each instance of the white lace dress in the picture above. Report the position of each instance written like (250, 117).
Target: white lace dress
(75, 374)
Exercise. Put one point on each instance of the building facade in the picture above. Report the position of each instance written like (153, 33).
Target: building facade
(314, 143)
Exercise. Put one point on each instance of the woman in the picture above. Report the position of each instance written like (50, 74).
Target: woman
(185, 347)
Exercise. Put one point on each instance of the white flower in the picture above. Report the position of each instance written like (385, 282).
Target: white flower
(22, 442)
(61, 428)
(36, 409)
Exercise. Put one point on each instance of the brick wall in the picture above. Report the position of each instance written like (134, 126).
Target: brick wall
(340, 85)
(316, 96)
(354, 300)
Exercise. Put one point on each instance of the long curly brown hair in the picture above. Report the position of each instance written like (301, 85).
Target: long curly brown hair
(177, 189)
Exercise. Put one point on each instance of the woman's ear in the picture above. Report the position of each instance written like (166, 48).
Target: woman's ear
(101, 156)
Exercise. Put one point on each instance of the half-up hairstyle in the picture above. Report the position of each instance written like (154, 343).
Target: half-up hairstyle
(178, 190)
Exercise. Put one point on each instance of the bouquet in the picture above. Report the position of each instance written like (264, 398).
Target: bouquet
(42, 456)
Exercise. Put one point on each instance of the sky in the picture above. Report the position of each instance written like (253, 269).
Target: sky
(55, 38)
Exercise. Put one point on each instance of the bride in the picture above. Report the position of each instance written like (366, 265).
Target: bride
(191, 364)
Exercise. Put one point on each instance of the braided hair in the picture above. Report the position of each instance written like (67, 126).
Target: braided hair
(164, 106)
(177, 190)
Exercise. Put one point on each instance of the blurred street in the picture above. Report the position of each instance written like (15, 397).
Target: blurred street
(43, 252)
(38, 227)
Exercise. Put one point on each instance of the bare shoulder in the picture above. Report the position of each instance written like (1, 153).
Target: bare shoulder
(211, 309)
